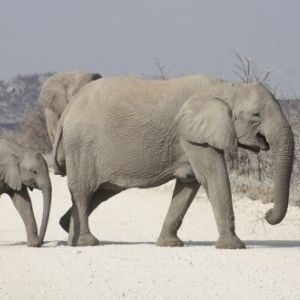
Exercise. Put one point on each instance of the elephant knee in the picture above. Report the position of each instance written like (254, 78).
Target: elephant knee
(172, 224)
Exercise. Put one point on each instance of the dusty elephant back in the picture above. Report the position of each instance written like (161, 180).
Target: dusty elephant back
(114, 102)
(112, 91)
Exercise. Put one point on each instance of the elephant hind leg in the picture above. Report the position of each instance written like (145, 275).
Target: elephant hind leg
(183, 195)
(98, 197)
(83, 206)
(79, 232)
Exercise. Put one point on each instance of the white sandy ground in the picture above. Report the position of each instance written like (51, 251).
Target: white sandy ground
(128, 265)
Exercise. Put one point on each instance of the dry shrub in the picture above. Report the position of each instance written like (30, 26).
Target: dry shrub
(32, 131)
(248, 71)
(263, 192)
(161, 68)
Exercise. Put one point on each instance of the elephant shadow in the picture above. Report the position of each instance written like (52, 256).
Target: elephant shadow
(189, 243)
(253, 243)
(54, 244)
(10, 244)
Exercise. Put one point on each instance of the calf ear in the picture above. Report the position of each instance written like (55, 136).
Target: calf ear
(10, 172)
(207, 120)
(54, 95)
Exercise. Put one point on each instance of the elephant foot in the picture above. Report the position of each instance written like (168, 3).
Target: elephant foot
(169, 241)
(33, 242)
(86, 239)
(229, 242)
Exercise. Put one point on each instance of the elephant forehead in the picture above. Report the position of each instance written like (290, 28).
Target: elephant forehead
(252, 96)
(31, 160)
(81, 79)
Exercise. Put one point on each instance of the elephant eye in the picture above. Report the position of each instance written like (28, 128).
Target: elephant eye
(34, 171)
(256, 114)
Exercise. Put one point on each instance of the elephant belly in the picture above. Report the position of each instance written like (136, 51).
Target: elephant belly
(123, 183)
(120, 182)
(185, 173)
(138, 173)
(149, 177)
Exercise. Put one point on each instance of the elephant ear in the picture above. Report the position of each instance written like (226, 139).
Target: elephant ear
(54, 95)
(9, 171)
(207, 120)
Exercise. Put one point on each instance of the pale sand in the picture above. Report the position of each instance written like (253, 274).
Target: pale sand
(128, 265)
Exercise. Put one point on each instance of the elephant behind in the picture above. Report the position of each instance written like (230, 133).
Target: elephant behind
(125, 132)
(20, 169)
(59, 89)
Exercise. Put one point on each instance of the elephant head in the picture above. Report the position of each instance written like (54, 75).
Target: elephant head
(58, 89)
(20, 167)
(247, 115)
(261, 125)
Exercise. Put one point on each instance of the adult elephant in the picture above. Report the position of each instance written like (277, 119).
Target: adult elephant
(125, 132)
(57, 91)
(20, 169)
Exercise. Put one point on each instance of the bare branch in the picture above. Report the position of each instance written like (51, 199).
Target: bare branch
(247, 71)
(161, 69)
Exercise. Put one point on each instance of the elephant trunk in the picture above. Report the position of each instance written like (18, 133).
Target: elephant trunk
(47, 194)
(281, 141)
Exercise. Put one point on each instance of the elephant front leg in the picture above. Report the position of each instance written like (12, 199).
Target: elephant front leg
(79, 232)
(183, 195)
(210, 169)
(22, 202)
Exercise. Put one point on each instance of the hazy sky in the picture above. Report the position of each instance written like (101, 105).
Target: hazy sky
(120, 37)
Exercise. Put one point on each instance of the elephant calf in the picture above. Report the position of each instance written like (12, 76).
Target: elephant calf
(21, 168)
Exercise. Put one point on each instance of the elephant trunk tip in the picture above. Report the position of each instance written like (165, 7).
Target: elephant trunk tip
(273, 218)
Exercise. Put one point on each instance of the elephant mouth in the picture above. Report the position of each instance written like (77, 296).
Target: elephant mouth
(255, 149)
(32, 186)
(262, 144)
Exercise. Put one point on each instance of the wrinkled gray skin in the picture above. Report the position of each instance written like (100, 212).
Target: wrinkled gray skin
(126, 132)
(60, 88)
(21, 168)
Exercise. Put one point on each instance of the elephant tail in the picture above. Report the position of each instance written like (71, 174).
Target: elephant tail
(59, 160)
